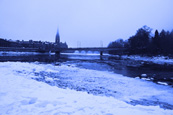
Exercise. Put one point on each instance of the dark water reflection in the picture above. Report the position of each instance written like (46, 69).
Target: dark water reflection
(127, 67)
(30, 58)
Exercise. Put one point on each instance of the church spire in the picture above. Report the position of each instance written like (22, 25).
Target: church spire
(57, 38)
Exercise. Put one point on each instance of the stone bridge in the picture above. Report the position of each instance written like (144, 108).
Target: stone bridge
(99, 49)
(59, 50)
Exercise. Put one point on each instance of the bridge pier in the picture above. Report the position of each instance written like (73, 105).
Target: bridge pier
(101, 53)
(57, 52)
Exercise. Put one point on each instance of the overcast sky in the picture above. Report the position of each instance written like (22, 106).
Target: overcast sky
(89, 22)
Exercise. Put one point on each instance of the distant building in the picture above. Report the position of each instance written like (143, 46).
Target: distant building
(42, 45)
(4, 43)
(63, 45)
(58, 43)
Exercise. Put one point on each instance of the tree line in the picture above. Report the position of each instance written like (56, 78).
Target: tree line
(143, 43)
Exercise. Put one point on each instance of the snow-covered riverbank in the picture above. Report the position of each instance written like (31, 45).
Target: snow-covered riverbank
(21, 93)
(154, 59)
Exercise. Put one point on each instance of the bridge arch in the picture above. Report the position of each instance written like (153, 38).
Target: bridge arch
(83, 52)
(86, 52)
(76, 51)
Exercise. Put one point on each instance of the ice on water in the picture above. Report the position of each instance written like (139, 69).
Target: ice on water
(21, 94)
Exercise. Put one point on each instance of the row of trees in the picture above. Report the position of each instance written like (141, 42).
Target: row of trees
(145, 44)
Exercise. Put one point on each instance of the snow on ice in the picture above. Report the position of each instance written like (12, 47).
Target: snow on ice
(156, 59)
(22, 94)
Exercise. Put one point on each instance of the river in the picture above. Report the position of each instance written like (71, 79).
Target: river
(92, 84)
(162, 74)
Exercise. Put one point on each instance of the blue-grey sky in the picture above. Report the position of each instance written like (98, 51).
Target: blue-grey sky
(88, 22)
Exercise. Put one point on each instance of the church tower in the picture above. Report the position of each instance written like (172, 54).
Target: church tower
(57, 38)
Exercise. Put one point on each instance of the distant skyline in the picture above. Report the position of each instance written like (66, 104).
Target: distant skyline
(88, 22)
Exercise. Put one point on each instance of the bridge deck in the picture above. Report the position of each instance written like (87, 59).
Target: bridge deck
(94, 49)
(100, 49)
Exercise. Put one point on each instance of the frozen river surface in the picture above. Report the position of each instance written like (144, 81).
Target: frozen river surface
(39, 88)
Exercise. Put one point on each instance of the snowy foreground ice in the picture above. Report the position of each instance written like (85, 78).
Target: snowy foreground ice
(66, 89)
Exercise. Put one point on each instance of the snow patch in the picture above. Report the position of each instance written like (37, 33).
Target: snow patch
(156, 59)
